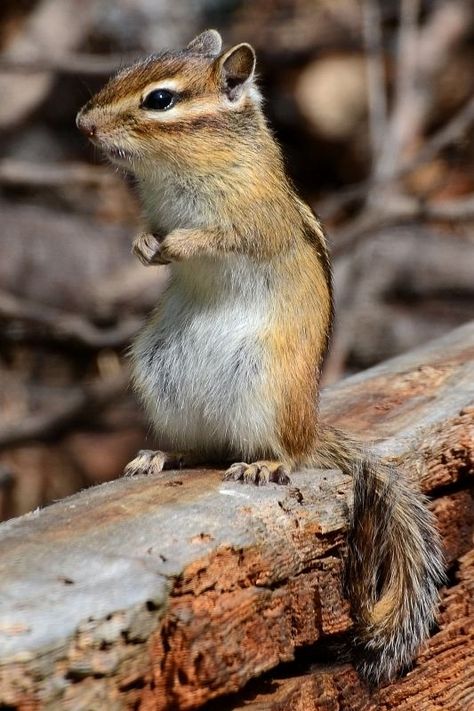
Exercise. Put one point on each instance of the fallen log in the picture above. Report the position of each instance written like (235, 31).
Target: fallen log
(442, 678)
(170, 591)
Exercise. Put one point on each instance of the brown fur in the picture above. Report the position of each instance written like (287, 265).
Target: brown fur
(213, 184)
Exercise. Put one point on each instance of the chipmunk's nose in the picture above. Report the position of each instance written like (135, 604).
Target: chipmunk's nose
(85, 125)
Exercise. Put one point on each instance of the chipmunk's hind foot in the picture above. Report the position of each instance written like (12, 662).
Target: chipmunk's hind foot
(149, 461)
(259, 473)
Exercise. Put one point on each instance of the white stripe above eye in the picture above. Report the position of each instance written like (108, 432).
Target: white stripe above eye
(186, 109)
(167, 84)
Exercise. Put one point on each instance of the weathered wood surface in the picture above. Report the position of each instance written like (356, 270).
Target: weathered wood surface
(442, 678)
(166, 592)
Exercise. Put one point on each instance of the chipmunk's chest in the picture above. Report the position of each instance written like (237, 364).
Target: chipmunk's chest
(200, 363)
(171, 201)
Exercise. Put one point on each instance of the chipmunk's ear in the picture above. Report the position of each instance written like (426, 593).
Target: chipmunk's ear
(208, 42)
(237, 67)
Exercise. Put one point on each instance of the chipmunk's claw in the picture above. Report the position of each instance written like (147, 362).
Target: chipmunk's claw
(149, 461)
(258, 473)
(147, 248)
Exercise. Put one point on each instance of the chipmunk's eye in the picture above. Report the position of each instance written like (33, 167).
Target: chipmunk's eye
(159, 100)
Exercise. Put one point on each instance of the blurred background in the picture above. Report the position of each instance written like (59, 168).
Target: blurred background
(373, 103)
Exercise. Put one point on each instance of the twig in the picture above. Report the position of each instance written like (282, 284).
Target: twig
(88, 64)
(77, 403)
(400, 208)
(448, 134)
(400, 128)
(66, 326)
(453, 210)
(377, 101)
(421, 54)
(45, 175)
(445, 136)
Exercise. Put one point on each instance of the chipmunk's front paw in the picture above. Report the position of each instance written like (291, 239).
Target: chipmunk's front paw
(149, 461)
(259, 473)
(147, 247)
(177, 245)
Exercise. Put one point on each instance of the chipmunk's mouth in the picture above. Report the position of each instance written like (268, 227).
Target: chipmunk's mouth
(117, 153)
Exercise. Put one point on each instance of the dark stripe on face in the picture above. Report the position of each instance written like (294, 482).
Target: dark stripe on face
(210, 122)
(235, 123)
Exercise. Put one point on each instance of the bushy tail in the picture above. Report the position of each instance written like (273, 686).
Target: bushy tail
(395, 565)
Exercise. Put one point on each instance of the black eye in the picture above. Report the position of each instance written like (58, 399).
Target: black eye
(159, 100)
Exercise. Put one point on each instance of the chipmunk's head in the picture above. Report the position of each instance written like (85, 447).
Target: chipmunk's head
(187, 107)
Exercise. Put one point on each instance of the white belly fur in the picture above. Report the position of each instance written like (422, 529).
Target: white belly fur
(199, 363)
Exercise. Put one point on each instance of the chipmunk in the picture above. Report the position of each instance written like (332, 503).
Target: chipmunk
(228, 365)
